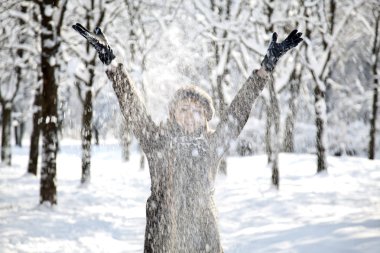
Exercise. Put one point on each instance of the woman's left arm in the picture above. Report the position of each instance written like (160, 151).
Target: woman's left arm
(237, 114)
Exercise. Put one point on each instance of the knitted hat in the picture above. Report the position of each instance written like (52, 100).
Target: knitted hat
(194, 93)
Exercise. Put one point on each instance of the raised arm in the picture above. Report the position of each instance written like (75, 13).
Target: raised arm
(131, 105)
(237, 114)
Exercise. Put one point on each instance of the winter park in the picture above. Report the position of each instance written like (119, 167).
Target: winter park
(190, 126)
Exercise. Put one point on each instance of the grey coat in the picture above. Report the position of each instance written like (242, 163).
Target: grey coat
(180, 212)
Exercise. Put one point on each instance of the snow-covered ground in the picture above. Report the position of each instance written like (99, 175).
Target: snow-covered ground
(334, 212)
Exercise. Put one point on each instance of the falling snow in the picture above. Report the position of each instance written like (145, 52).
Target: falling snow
(190, 206)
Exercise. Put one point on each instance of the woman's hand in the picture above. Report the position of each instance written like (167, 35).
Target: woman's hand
(98, 41)
(276, 50)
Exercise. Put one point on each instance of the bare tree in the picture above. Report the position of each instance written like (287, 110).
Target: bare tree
(323, 27)
(6, 105)
(375, 74)
(24, 52)
(19, 129)
(272, 133)
(10, 83)
(273, 111)
(52, 14)
(222, 57)
(294, 84)
(137, 43)
(37, 107)
(294, 87)
(320, 80)
(224, 47)
(36, 130)
(85, 87)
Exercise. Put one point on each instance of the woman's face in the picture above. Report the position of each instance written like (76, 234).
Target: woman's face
(190, 115)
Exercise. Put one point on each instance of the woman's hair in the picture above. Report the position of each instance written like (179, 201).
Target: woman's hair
(194, 93)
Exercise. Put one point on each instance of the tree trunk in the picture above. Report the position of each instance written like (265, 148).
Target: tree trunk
(288, 145)
(320, 90)
(320, 122)
(275, 173)
(35, 135)
(268, 137)
(16, 131)
(372, 132)
(375, 53)
(22, 132)
(86, 131)
(86, 134)
(295, 79)
(37, 118)
(275, 118)
(96, 135)
(273, 113)
(19, 133)
(6, 149)
(20, 52)
(48, 187)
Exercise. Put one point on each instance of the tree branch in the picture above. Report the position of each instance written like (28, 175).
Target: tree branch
(61, 17)
(79, 90)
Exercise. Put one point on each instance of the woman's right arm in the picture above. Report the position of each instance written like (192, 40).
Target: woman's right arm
(132, 107)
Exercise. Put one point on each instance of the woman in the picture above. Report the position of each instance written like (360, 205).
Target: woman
(184, 154)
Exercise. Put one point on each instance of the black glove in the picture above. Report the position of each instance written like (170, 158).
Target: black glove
(98, 41)
(276, 50)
